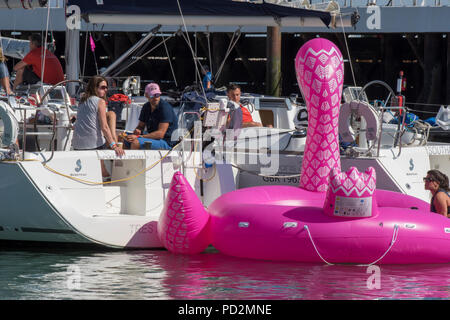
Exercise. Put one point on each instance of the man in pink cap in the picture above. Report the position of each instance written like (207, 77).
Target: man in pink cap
(158, 117)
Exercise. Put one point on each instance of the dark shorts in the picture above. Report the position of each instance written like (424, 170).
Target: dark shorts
(29, 77)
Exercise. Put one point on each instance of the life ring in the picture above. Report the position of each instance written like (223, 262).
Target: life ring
(10, 125)
(301, 118)
(363, 109)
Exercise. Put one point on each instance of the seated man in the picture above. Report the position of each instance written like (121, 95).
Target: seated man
(234, 94)
(159, 118)
(29, 70)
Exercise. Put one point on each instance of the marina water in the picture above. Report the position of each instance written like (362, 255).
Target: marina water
(158, 274)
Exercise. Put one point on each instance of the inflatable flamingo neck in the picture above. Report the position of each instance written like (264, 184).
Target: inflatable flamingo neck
(320, 74)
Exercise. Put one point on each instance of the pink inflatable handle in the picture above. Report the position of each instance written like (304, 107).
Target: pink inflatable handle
(183, 223)
(320, 74)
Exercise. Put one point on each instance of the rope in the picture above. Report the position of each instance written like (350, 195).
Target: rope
(170, 62)
(142, 56)
(114, 181)
(197, 71)
(107, 182)
(195, 170)
(314, 245)
(44, 45)
(348, 51)
(85, 54)
(208, 36)
(119, 180)
(232, 44)
(394, 239)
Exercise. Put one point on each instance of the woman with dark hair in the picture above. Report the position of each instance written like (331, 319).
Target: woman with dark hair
(437, 183)
(92, 131)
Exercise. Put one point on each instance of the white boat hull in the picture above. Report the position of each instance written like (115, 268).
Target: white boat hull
(43, 206)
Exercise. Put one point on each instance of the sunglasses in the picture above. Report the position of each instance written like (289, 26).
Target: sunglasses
(427, 179)
(103, 87)
(156, 95)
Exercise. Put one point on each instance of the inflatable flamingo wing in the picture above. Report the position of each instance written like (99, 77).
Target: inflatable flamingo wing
(320, 74)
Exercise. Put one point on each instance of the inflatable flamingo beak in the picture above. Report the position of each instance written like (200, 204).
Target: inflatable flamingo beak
(183, 225)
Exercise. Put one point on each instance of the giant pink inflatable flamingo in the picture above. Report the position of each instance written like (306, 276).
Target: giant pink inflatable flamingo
(333, 217)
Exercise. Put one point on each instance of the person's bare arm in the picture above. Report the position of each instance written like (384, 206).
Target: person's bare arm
(105, 128)
(158, 134)
(440, 203)
(251, 124)
(19, 65)
(137, 132)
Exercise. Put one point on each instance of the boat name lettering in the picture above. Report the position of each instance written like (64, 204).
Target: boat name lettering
(293, 180)
(78, 174)
(146, 228)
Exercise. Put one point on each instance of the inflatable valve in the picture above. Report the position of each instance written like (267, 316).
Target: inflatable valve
(351, 194)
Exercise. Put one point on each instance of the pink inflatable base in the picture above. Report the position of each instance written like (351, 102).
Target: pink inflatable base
(270, 225)
(310, 223)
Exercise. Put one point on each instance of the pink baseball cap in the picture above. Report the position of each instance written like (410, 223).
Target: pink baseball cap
(151, 89)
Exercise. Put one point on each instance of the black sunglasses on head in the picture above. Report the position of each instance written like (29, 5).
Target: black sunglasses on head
(427, 179)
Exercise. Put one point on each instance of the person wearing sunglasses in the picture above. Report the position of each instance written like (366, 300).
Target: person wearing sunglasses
(158, 116)
(92, 131)
(437, 183)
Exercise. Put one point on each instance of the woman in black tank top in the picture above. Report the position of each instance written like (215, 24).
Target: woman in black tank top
(437, 183)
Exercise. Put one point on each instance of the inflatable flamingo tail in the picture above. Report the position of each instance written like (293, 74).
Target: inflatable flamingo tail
(183, 225)
(351, 194)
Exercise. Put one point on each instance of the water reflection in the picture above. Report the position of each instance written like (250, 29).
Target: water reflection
(161, 275)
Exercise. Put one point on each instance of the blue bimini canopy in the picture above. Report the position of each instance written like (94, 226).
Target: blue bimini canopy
(198, 12)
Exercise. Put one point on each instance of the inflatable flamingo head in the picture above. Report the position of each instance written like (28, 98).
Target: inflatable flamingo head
(351, 194)
(320, 74)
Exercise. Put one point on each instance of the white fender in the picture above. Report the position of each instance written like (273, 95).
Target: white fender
(443, 118)
(131, 85)
(363, 109)
(10, 124)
